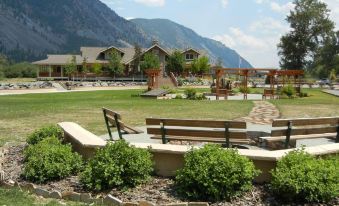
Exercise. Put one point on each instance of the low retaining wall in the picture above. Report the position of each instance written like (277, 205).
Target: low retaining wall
(169, 158)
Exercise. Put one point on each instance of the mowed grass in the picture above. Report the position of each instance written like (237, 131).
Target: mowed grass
(319, 104)
(21, 114)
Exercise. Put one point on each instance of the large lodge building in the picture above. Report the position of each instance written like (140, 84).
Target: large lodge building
(54, 66)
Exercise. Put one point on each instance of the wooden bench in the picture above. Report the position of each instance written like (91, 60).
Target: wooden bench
(83, 141)
(113, 119)
(268, 93)
(304, 128)
(198, 130)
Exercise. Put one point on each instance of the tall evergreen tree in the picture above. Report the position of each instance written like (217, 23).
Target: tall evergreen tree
(176, 63)
(310, 29)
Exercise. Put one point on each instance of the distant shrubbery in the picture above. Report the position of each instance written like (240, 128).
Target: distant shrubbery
(19, 70)
(212, 173)
(300, 177)
(193, 95)
(45, 132)
(117, 165)
(288, 90)
(50, 160)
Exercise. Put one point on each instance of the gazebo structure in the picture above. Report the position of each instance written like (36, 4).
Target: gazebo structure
(153, 78)
(223, 89)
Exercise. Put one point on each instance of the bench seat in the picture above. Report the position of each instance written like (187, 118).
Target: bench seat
(299, 137)
(201, 139)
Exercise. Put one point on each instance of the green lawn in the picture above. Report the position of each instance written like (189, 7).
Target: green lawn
(319, 104)
(21, 114)
(15, 197)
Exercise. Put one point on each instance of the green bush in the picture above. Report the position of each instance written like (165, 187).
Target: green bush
(178, 96)
(190, 93)
(117, 165)
(288, 90)
(244, 90)
(19, 70)
(50, 160)
(213, 173)
(40, 134)
(300, 177)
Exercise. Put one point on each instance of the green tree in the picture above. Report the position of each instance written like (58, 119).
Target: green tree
(71, 67)
(137, 58)
(115, 66)
(150, 61)
(176, 63)
(97, 69)
(310, 29)
(85, 68)
(200, 66)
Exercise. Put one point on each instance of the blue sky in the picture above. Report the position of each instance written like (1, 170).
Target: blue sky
(251, 27)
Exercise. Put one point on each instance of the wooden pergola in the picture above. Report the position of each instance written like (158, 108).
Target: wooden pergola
(153, 78)
(273, 74)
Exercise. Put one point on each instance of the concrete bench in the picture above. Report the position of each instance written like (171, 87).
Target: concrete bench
(82, 141)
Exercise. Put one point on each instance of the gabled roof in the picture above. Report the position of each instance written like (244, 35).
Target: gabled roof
(191, 49)
(59, 60)
(112, 47)
(143, 51)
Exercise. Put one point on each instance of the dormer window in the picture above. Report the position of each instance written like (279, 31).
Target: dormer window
(189, 56)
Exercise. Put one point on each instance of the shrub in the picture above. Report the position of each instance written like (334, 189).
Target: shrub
(288, 90)
(50, 160)
(117, 165)
(190, 93)
(40, 134)
(244, 90)
(178, 96)
(213, 173)
(301, 177)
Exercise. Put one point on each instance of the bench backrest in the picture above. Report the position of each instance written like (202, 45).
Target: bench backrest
(113, 119)
(196, 128)
(305, 126)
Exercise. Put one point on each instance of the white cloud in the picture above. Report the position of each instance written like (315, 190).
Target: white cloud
(259, 51)
(269, 25)
(152, 3)
(282, 8)
(224, 3)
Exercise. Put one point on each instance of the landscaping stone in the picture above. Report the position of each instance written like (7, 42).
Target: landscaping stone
(72, 196)
(130, 204)
(28, 187)
(7, 185)
(109, 200)
(55, 195)
(86, 198)
(198, 204)
(176, 204)
(2, 176)
(146, 203)
(41, 192)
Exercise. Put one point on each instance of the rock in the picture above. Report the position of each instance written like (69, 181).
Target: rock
(73, 196)
(28, 187)
(55, 195)
(7, 185)
(130, 204)
(198, 204)
(177, 204)
(109, 200)
(41, 192)
(2, 176)
(86, 198)
(146, 203)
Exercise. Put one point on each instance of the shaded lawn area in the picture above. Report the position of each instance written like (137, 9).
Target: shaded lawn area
(21, 114)
(319, 104)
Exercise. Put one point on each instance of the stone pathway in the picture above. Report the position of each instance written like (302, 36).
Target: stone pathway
(262, 113)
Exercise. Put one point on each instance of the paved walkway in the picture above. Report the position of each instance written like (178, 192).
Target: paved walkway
(262, 113)
(333, 92)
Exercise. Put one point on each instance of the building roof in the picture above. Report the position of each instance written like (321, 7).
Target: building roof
(59, 59)
(92, 53)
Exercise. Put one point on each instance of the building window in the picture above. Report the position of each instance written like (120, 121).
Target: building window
(189, 57)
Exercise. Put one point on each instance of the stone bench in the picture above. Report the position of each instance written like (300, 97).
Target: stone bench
(82, 141)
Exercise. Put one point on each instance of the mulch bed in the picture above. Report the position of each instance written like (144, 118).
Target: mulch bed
(159, 190)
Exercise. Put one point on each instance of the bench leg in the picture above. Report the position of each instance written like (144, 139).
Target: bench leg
(288, 135)
(108, 127)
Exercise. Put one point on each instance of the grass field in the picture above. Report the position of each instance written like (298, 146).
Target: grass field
(21, 114)
(319, 104)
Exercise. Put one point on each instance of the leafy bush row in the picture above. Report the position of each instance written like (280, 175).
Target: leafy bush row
(49, 160)
(45, 132)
